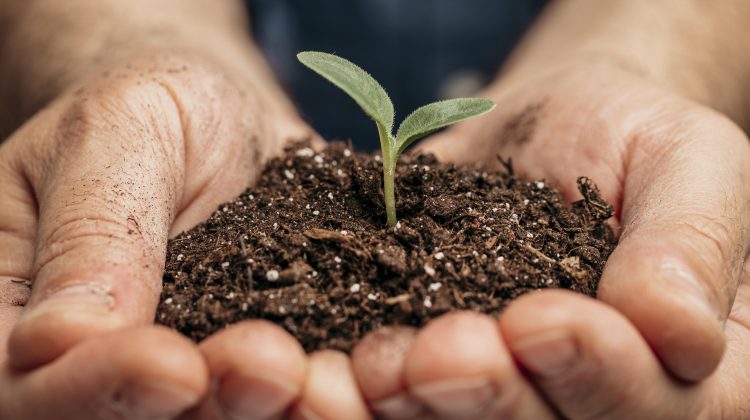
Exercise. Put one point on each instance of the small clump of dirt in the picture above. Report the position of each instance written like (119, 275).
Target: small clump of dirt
(308, 247)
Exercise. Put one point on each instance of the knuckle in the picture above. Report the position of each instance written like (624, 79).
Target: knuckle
(718, 242)
(83, 239)
(173, 106)
(148, 97)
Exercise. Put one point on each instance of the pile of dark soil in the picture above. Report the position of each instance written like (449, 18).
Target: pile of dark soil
(308, 247)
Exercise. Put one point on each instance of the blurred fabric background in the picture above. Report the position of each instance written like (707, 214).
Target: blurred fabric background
(420, 50)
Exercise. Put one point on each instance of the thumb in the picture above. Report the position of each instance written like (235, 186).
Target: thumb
(106, 200)
(677, 267)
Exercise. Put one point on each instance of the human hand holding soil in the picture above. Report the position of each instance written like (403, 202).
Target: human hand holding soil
(145, 131)
(632, 101)
(675, 286)
(91, 188)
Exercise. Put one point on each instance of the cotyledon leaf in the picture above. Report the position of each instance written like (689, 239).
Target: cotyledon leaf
(437, 115)
(357, 83)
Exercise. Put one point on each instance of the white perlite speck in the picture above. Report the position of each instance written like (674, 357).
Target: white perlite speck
(180, 257)
(330, 196)
(427, 302)
(288, 174)
(315, 212)
(540, 184)
(347, 152)
(434, 287)
(318, 159)
(305, 152)
(355, 288)
(272, 275)
(337, 259)
(225, 264)
(439, 255)
(429, 270)
(372, 296)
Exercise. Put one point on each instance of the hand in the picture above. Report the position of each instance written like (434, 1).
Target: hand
(91, 188)
(675, 289)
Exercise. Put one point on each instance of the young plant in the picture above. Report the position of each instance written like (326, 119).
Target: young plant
(373, 99)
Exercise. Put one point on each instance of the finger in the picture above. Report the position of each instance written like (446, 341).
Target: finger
(677, 267)
(258, 368)
(17, 230)
(459, 368)
(330, 391)
(105, 207)
(378, 364)
(144, 373)
(589, 361)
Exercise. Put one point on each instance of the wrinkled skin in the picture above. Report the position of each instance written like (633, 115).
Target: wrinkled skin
(94, 185)
(676, 293)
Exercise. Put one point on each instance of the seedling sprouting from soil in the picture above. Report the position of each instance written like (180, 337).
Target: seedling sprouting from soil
(373, 99)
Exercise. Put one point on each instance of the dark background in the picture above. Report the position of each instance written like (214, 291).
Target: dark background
(419, 50)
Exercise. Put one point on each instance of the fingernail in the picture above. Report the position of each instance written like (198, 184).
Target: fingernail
(400, 406)
(156, 401)
(548, 354)
(458, 397)
(681, 283)
(250, 398)
(89, 298)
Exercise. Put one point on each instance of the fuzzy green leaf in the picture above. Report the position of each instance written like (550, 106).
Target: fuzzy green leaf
(357, 83)
(437, 115)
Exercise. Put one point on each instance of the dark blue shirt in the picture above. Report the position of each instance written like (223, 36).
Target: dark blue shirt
(420, 50)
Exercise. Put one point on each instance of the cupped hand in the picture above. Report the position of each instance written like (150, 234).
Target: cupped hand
(671, 334)
(91, 188)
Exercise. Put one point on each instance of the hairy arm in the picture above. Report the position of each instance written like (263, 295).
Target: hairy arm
(47, 45)
(693, 47)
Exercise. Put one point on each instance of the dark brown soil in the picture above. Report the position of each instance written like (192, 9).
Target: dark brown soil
(308, 247)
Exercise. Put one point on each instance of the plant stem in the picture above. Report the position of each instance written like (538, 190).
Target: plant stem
(389, 173)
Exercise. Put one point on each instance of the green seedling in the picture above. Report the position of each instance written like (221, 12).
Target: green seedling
(373, 99)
